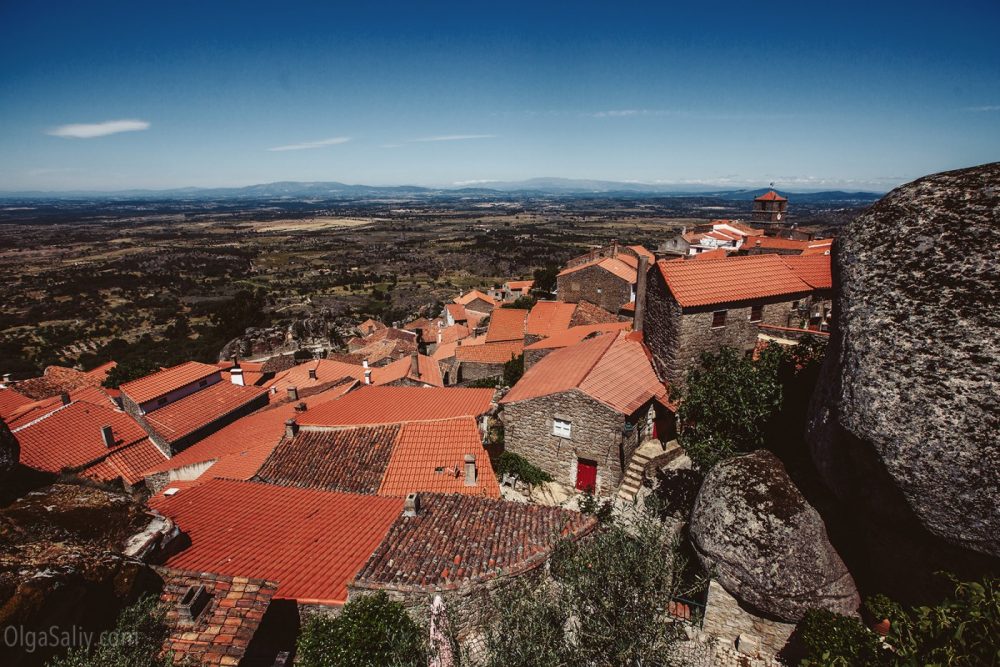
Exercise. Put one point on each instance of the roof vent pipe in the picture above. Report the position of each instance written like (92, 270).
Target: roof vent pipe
(236, 375)
(291, 428)
(368, 376)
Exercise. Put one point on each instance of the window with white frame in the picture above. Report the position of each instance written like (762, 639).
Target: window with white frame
(561, 428)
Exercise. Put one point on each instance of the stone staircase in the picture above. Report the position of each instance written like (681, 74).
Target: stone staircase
(646, 452)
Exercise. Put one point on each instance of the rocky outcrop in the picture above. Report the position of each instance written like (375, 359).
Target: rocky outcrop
(904, 425)
(760, 538)
(10, 453)
(317, 333)
(62, 566)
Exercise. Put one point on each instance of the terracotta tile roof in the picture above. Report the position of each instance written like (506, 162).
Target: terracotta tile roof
(241, 439)
(520, 285)
(548, 317)
(642, 251)
(729, 280)
(221, 633)
(718, 253)
(817, 250)
(747, 230)
(384, 334)
(186, 415)
(55, 380)
(812, 269)
(101, 372)
(472, 295)
(457, 312)
(589, 313)
(430, 372)
(775, 243)
(394, 405)
(770, 196)
(455, 539)
(32, 411)
(506, 324)
(628, 308)
(329, 373)
(491, 353)
(69, 437)
(447, 350)
(430, 456)
(167, 380)
(613, 265)
(10, 401)
(574, 335)
(611, 368)
(370, 326)
(386, 349)
(129, 462)
(352, 460)
(453, 333)
(311, 542)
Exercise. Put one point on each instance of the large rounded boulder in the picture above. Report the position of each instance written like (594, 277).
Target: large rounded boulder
(905, 424)
(755, 532)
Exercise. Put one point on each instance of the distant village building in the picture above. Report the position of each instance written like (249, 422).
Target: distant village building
(770, 207)
(580, 413)
(719, 235)
(605, 276)
(702, 306)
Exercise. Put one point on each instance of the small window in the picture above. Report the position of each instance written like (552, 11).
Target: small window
(719, 318)
(756, 313)
(203, 383)
(795, 304)
(561, 428)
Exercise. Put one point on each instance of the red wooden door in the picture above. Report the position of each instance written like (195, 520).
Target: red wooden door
(586, 475)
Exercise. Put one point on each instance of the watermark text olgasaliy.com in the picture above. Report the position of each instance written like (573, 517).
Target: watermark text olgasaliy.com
(30, 640)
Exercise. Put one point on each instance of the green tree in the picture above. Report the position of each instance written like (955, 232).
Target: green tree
(832, 640)
(371, 631)
(606, 603)
(545, 278)
(136, 641)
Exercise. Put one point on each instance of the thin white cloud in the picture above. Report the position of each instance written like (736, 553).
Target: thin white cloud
(307, 145)
(91, 130)
(984, 109)
(626, 113)
(454, 137)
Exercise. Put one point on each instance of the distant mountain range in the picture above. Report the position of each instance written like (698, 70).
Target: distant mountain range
(532, 186)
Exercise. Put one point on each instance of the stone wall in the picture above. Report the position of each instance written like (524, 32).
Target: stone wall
(532, 357)
(469, 371)
(678, 337)
(596, 435)
(596, 285)
(727, 619)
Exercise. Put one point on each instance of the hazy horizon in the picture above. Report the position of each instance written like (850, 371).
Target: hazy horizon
(113, 96)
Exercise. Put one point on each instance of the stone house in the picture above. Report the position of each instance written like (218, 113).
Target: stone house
(696, 307)
(605, 277)
(580, 413)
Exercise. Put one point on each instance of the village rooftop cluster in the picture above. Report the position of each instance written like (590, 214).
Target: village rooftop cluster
(373, 468)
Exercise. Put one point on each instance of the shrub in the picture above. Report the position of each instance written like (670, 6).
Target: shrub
(832, 640)
(136, 641)
(510, 463)
(371, 631)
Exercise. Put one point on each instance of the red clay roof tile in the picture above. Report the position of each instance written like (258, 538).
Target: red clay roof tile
(311, 542)
(506, 324)
(574, 335)
(186, 415)
(548, 317)
(394, 405)
(430, 372)
(167, 380)
(490, 353)
(430, 457)
(812, 269)
(770, 196)
(729, 280)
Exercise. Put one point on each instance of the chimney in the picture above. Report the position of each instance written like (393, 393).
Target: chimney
(364, 363)
(640, 293)
(312, 373)
(439, 337)
(193, 603)
(415, 364)
(301, 406)
(65, 397)
(470, 469)
(6, 380)
(293, 393)
(291, 428)
(368, 376)
(411, 506)
(108, 436)
(236, 375)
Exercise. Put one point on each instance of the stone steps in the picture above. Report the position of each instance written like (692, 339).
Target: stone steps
(632, 480)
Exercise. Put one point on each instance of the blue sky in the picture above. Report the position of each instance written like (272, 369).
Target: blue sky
(102, 95)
